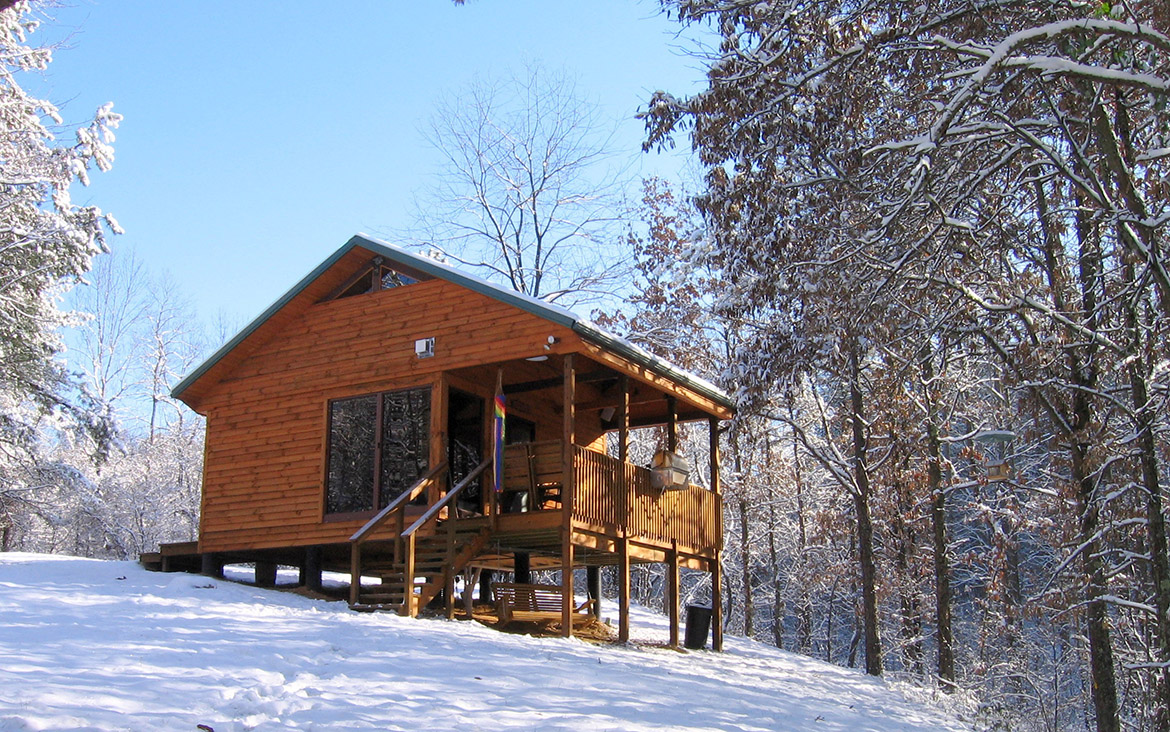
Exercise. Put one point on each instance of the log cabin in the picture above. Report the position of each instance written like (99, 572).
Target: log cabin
(352, 427)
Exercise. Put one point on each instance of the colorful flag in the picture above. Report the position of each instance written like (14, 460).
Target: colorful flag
(498, 435)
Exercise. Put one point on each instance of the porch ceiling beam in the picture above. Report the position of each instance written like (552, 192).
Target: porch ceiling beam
(539, 384)
(658, 381)
(616, 404)
(638, 422)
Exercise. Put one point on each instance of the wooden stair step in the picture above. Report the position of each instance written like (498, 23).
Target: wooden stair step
(381, 599)
(364, 607)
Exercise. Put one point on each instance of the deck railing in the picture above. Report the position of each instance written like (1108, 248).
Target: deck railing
(618, 496)
(612, 493)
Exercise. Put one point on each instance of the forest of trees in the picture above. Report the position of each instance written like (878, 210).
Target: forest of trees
(929, 257)
(125, 476)
(95, 459)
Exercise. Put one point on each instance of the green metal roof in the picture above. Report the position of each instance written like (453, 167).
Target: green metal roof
(554, 313)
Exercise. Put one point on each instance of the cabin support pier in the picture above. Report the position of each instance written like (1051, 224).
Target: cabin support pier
(521, 572)
(211, 565)
(265, 574)
(593, 583)
(310, 574)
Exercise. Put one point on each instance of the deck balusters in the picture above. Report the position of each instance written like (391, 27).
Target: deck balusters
(615, 495)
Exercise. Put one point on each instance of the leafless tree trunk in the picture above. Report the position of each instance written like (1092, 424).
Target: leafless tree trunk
(938, 521)
(861, 495)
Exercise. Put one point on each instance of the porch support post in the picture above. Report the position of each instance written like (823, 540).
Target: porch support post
(717, 562)
(569, 439)
(593, 582)
(624, 589)
(409, 608)
(493, 496)
(624, 421)
(567, 583)
(671, 424)
(626, 488)
(438, 446)
(672, 591)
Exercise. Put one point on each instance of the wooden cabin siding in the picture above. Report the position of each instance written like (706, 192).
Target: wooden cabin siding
(266, 432)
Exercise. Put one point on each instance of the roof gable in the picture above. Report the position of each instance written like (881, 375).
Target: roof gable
(335, 275)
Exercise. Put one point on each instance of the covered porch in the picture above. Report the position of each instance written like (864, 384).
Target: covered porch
(569, 503)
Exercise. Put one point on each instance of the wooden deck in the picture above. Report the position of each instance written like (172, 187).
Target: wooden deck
(615, 499)
(611, 500)
(611, 516)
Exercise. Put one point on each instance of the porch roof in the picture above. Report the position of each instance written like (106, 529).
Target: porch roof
(549, 311)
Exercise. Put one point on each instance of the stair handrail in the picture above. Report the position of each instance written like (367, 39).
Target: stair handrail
(396, 507)
(400, 502)
(447, 499)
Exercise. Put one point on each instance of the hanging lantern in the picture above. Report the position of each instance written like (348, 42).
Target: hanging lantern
(669, 471)
(999, 471)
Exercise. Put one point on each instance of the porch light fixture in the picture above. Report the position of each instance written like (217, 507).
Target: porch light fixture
(424, 347)
(669, 471)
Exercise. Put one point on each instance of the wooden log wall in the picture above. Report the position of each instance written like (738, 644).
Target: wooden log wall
(266, 431)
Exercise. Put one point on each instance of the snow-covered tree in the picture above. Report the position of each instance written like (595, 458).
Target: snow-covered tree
(992, 175)
(46, 245)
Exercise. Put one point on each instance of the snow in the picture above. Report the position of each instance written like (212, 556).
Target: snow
(100, 645)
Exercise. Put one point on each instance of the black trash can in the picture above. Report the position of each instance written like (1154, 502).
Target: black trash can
(698, 626)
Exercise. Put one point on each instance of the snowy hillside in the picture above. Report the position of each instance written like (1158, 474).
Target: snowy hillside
(94, 645)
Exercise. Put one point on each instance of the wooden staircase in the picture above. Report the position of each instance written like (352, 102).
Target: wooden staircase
(437, 559)
(417, 562)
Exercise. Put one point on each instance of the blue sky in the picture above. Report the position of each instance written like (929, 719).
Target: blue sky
(259, 136)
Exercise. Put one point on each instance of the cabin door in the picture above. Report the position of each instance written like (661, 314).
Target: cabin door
(465, 432)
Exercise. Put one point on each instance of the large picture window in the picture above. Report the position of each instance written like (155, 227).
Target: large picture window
(379, 445)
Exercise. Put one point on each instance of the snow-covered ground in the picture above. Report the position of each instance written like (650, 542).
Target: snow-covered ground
(98, 645)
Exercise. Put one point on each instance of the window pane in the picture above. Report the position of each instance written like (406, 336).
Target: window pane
(392, 278)
(351, 455)
(406, 428)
